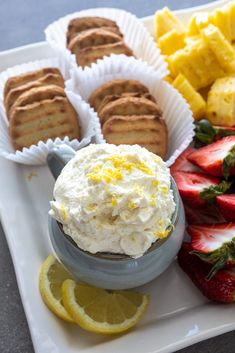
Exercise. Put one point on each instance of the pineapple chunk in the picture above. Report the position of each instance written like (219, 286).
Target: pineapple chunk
(199, 21)
(171, 42)
(223, 22)
(165, 21)
(168, 79)
(194, 99)
(197, 63)
(221, 47)
(221, 102)
(231, 10)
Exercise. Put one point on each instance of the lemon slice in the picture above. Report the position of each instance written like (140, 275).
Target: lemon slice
(52, 275)
(103, 311)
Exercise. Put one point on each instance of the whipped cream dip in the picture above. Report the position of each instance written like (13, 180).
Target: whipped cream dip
(114, 199)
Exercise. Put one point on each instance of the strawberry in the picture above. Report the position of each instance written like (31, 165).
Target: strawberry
(226, 204)
(221, 288)
(216, 159)
(206, 215)
(182, 163)
(197, 189)
(214, 243)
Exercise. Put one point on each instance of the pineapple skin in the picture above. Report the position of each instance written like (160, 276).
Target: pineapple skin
(221, 102)
(194, 99)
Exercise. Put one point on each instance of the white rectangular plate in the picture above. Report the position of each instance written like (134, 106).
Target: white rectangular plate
(178, 315)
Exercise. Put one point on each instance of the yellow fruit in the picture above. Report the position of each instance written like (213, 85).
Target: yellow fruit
(103, 311)
(165, 21)
(168, 79)
(194, 99)
(197, 63)
(221, 102)
(231, 10)
(223, 22)
(199, 21)
(52, 275)
(171, 41)
(221, 47)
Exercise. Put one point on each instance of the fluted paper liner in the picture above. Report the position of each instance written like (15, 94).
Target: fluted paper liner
(36, 154)
(176, 111)
(135, 34)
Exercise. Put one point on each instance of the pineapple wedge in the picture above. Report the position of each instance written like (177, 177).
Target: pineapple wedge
(231, 10)
(221, 47)
(194, 99)
(165, 21)
(171, 41)
(199, 21)
(168, 79)
(221, 102)
(223, 22)
(197, 63)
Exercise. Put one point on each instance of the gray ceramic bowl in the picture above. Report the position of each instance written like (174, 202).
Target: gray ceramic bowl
(113, 271)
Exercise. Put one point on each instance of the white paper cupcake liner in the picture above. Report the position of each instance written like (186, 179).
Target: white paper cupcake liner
(176, 111)
(135, 34)
(36, 154)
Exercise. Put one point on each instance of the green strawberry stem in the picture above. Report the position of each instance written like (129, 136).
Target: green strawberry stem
(217, 266)
(209, 194)
(205, 133)
(228, 163)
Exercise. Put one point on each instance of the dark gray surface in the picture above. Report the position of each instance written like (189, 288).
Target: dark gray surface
(22, 22)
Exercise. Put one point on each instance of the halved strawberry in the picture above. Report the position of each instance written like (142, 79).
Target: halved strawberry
(182, 164)
(197, 189)
(214, 243)
(206, 215)
(226, 204)
(221, 288)
(216, 159)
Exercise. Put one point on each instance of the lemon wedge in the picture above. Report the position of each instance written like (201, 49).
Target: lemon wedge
(103, 311)
(52, 275)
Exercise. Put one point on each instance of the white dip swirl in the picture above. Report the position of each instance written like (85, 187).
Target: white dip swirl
(114, 199)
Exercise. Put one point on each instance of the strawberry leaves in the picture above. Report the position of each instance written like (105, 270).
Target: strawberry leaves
(209, 194)
(228, 163)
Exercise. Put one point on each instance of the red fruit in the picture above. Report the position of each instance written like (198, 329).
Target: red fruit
(182, 163)
(191, 185)
(221, 288)
(206, 215)
(217, 159)
(226, 204)
(214, 243)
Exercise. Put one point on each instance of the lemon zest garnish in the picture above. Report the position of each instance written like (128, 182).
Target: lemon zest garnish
(132, 205)
(161, 235)
(160, 222)
(155, 183)
(114, 201)
(164, 189)
(64, 213)
(153, 200)
(139, 189)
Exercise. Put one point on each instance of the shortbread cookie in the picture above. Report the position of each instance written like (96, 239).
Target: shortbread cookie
(87, 56)
(49, 79)
(37, 94)
(148, 131)
(115, 88)
(112, 98)
(22, 79)
(129, 106)
(80, 24)
(92, 37)
(42, 120)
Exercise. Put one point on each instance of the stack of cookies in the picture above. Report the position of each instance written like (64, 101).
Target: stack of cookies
(130, 115)
(38, 109)
(92, 38)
